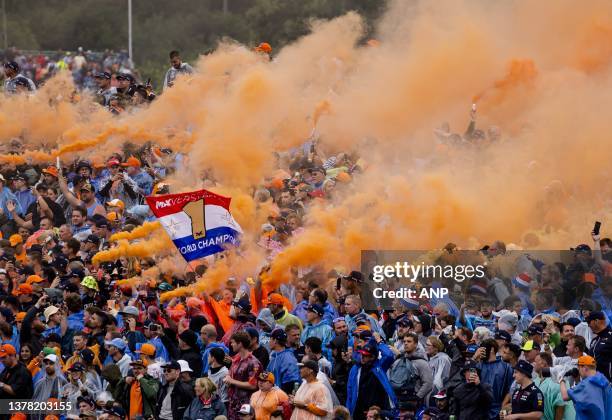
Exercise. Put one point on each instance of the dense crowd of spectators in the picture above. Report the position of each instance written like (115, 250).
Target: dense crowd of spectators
(527, 343)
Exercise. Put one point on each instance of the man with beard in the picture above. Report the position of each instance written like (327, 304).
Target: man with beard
(105, 90)
(51, 383)
(178, 67)
(368, 385)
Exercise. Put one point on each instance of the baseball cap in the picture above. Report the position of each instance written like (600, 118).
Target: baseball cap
(355, 276)
(7, 350)
(535, 329)
(595, 315)
(470, 364)
(34, 279)
(137, 362)
(129, 310)
(246, 409)
(51, 357)
(243, 304)
(582, 249)
(370, 348)
(172, 365)
(275, 299)
(24, 289)
(184, 366)
(87, 355)
(528, 346)
(103, 75)
(116, 411)
(310, 364)
(92, 239)
(503, 335)
(15, 240)
(132, 161)
(116, 342)
(316, 308)
(361, 319)
(440, 395)
(405, 322)
(77, 367)
(116, 203)
(586, 361)
(51, 170)
(113, 162)
(147, 349)
(266, 376)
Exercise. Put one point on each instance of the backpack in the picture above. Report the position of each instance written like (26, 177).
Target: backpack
(403, 377)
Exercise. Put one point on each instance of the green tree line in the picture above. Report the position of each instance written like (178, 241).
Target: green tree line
(159, 26)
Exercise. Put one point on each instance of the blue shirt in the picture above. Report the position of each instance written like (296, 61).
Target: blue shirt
(283, 365)
(207, 352)
(25, 198)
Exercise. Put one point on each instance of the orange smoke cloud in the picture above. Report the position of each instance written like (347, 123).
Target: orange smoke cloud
(137, 233)
(519, 73)
(158, 244)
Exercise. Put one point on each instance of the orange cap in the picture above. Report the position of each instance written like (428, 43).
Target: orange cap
(586, 361)
(116, 203)
(19, 416)
(275, 299)
(15, 240)
(7, 350)
(34, 279)
(148, 349)
(343, 177)
(193, 302)
(19, 317)
(23, 289)
(132, 161)
(51, 170)
(590, 278)
(264, 47)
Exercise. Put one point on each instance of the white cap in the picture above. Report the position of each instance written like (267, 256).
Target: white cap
(50, 311)
(184, 366)
(246, 409)
(51, 357)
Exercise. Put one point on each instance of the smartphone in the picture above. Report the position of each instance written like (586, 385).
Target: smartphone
(596, 228)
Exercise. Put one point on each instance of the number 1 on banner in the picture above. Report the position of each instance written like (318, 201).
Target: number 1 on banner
(195, 211)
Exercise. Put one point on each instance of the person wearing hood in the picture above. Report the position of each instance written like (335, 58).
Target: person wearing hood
(52, 381)
(282, 316)
(368, 385)
(592, 397)
(439, 362)
(190, 351)
(319, 296)
(494, 372)
(472, 399)
(241, 313)
(265, 324)
(283, 363)
(208, 335)
(422, 327)
(316, 327)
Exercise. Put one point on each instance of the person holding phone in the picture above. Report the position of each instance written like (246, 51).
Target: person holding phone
(473, 398)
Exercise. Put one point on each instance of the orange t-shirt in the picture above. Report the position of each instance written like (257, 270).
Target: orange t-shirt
(222, 310)
(135, 400)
